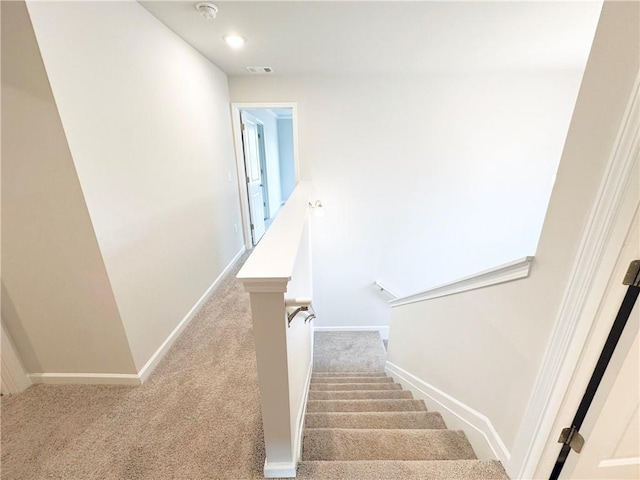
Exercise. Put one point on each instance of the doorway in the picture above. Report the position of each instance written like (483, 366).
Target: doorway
(265, 139)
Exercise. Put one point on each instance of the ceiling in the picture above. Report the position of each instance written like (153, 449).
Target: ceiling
(318, 37)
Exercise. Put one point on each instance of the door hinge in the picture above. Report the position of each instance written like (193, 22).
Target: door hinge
(570, 436)
(243, 128)
(252, 226)
(632, 277)
(247, 179)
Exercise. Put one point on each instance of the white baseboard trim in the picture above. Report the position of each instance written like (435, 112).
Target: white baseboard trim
(384, 330)
(279, 469)
(85, 378)
(468, 415)
(152, 363)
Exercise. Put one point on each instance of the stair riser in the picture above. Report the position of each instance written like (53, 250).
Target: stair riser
(426, 469)
(365, 405)
(377, 420)
(354, 386)
(337, 444)
(347, 374)
(361, 395)
(352, 380)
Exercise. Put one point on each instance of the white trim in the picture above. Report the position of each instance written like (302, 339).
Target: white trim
(240, 167)
(297, 447)
(14, 377)
(507, 272)
(619, 462)
(384, 330)
(152, 363)
(279, 469)
(289, 469)
(86, 378)
(562, 354)
(468, 415)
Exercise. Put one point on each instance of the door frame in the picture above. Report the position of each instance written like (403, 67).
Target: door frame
(239, 151)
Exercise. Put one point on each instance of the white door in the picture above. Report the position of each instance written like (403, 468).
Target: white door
(612, 450)
(251, 145)
(612, 433)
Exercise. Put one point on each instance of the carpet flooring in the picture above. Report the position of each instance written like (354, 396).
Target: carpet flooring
(197, 417)
(358, 433)
(348, 352)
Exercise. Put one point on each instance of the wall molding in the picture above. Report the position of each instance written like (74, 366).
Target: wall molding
(383, 330)
(562, 355)
(154, 360)
(506, 272)
(476, 420)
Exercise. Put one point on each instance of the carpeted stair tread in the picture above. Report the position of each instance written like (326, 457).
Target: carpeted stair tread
(383, 405)
(354, 386)
(349, 374)
(351, 380)
(402, 470)
(359, 394)
(377, 420)
(384, 444)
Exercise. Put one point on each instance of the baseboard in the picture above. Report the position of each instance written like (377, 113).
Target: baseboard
(279, 469)
(477, 426)
(86, 378)
(384, 330)
(153, 362)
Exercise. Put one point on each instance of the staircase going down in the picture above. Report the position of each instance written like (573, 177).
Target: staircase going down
(362, 426)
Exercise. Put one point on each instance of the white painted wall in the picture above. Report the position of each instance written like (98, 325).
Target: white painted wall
(287, 163)
(57, 303)
(424, 178)
(485, 347)
(272, 157)
(148, 125)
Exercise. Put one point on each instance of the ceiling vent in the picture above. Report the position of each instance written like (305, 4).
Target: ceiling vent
(260, 69)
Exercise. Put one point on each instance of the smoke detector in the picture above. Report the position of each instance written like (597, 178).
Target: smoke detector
(260, 69)
(207, 10)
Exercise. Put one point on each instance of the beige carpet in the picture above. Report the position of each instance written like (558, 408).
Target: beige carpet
(360, 433)
(197, 417)
(348, 352)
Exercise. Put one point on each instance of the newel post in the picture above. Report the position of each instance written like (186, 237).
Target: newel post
(270, 334)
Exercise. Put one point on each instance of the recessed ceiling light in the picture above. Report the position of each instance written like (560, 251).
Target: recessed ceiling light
(207, 10)
(235, 41)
